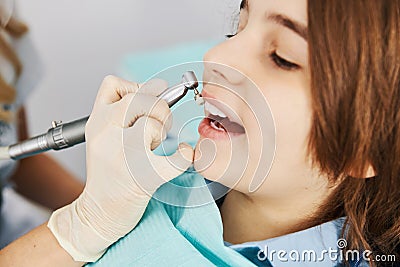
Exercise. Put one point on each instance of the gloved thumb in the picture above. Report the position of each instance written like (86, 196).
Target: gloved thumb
(150, 171)
(175, 164)
(187, 153)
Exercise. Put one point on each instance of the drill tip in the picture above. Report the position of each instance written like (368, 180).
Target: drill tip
(199, 100)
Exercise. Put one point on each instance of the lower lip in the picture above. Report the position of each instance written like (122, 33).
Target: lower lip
(206, 130)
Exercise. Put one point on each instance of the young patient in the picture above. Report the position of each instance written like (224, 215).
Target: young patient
(330, 74)
(302, 123)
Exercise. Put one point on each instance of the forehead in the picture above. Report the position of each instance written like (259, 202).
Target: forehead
(295, 9)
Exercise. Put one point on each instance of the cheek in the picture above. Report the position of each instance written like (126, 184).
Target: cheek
(291, 108)
(293, 122)
(276, 133)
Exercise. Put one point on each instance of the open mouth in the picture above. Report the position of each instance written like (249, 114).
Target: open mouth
(219, 121)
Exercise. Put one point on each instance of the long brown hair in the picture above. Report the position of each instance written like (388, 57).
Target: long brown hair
(354, 49)
(13, 29)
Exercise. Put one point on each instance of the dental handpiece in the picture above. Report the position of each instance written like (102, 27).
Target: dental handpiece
(65, 135)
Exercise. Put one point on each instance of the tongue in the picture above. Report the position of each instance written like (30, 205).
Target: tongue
(228, 125)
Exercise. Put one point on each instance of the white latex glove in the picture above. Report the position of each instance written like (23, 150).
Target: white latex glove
(122, 172)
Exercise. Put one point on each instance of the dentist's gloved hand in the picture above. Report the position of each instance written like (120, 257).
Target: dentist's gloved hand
(122, 172)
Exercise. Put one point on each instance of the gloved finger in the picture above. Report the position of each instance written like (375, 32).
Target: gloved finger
(175, 164)
(153, 87)
(113, 89)
(133, 106)
(147, 169)
(145, 135)
(153, 132)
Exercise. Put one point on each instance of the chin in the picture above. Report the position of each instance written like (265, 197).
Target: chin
(218, 162)
(207, 161)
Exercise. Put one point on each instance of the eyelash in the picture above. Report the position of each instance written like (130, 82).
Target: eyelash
(228, 36)
(283, 63)
(277, 60)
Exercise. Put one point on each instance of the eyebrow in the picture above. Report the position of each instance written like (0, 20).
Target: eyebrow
(295, 26)
(280, 19)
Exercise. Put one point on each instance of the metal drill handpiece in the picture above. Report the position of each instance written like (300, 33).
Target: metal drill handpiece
(175, 93)
(189, 76)
(190, 80)
(64, 135)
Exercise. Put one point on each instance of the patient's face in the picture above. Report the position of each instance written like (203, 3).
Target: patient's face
(272, 61)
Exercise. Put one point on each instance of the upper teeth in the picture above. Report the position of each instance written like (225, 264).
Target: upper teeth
(214, 110)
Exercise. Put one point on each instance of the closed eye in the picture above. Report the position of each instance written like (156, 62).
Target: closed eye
(228, 36)
(283, 63)
(277, 60)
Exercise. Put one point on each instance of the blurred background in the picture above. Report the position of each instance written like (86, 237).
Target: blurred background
(81, 41)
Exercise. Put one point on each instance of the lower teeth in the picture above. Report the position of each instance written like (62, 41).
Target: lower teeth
(217, 126)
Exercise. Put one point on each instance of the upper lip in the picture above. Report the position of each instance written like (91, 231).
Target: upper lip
(231, 115)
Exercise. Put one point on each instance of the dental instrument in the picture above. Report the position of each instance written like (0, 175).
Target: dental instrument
(198, 98)
(65, 135)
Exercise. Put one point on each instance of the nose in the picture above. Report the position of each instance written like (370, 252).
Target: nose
(227, 61)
